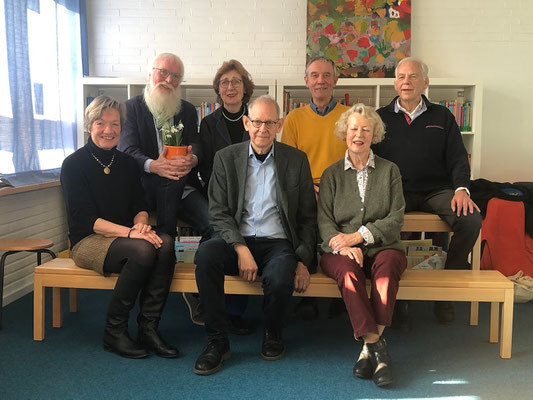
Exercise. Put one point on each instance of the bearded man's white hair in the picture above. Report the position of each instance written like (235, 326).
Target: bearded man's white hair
(163, 104)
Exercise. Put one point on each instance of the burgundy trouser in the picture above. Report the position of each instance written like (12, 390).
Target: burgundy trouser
(384, 271)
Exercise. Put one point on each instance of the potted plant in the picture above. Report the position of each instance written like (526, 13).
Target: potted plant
(172, 136)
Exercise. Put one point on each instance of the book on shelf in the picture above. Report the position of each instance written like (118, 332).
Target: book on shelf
(289, 103)
(205, 108)
(461, 111)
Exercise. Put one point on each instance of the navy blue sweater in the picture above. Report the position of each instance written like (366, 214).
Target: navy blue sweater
(429, 152)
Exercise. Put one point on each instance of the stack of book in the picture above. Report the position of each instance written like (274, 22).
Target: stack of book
(186, 247)
(421, 254)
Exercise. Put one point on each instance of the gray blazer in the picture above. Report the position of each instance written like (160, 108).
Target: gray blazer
(295, 197)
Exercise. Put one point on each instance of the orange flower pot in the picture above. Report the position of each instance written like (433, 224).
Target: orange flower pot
(175, 151)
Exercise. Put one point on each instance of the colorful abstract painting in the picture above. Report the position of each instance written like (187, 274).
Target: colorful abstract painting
(366, 38)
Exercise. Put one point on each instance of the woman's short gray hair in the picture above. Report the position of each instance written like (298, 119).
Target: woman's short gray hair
(98, 106)
(341, 126)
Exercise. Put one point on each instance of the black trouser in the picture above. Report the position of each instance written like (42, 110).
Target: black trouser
(465, 228)
(142, 268)
(276, 263)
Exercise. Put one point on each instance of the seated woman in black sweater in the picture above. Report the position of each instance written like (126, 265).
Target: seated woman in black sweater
(109, 232)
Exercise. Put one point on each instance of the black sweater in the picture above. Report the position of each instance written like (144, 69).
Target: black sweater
(90, 194)
(429, 152)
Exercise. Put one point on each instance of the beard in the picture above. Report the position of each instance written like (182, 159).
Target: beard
(162, 104)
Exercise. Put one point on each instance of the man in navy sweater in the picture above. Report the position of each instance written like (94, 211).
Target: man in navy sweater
(424, 140)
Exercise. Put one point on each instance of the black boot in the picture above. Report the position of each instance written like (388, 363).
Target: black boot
(381, 363)
(123, 345)
(152, 300)
(116, 336)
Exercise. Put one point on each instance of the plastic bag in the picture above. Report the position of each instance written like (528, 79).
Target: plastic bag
(432, 262)
(523, 287)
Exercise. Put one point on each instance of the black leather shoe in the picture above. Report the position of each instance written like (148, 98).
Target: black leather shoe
(381, 363)
(122, 344)
(307, 309)
(210, 361)
(273, 347)
(150, 339)
(363, 367)
(444, 312)
(239, 326)
(400, 317)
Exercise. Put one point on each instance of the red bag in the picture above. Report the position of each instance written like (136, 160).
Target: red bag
(506, 246)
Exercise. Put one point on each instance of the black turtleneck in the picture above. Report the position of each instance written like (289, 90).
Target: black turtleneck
(91, 194)
(235, 128)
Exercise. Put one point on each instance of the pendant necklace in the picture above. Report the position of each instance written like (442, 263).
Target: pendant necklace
(107, 171)
(233, 120)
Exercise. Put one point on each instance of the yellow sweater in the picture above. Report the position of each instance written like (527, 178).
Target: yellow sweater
(313, 134)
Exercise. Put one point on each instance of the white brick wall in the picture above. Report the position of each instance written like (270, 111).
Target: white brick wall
(491, 40)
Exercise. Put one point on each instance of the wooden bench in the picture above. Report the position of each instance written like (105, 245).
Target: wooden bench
(455, 285)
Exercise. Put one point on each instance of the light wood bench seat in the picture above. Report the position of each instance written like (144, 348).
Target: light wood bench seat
(484, 286)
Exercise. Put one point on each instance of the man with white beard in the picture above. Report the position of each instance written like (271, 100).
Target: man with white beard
(172, 186)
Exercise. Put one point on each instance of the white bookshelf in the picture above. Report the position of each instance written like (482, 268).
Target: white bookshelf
(195, 91)
(378, 92)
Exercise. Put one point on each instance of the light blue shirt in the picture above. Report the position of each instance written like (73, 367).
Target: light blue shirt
(327, 110)
(261, 215)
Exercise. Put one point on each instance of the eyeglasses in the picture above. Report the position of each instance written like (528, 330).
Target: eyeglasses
(234, 82)
(165, 74)
(257, 123)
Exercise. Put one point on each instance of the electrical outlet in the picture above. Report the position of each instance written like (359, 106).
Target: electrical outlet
(460, 93)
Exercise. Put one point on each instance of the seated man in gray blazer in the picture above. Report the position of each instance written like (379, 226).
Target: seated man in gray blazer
(263, 211)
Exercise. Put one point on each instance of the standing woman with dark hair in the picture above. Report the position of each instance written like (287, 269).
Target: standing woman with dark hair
(234, 87)
(109, 232)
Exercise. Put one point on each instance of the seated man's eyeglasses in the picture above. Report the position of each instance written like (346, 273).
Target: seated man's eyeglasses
(165, 74)
(234, 82)
(269, 124)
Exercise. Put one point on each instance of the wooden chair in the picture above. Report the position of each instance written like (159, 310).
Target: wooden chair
(16, 245)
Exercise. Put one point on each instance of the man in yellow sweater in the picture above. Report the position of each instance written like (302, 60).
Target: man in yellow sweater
(310, 129)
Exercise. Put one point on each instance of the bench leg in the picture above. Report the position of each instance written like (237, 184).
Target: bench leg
(507, 324)
(57, 310)
(474, 311)
(38, 309)
(73, 300)
(494, 322)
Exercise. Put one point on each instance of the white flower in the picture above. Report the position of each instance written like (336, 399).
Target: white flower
(171, 134)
